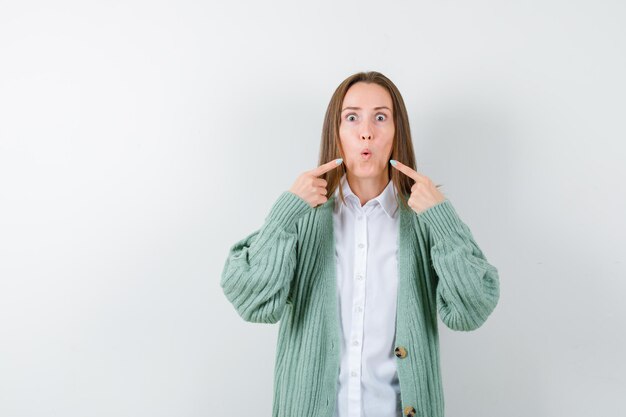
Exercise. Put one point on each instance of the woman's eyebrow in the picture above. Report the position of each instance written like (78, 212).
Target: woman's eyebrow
(358, 108)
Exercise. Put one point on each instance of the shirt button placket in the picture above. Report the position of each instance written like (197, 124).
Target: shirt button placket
(360, 264)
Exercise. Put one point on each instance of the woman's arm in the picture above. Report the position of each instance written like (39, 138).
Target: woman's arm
(259, 268)
(468, 288)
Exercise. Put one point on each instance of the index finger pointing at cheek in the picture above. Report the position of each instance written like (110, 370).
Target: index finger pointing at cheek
(324, 168)
(406, 170)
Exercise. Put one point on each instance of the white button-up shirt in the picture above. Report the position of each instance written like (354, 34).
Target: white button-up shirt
(366, 242)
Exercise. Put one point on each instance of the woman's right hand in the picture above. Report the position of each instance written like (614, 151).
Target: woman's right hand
(312, 189)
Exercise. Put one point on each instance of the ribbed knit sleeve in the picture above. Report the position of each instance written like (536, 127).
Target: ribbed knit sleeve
(259, 269)
(468, 288)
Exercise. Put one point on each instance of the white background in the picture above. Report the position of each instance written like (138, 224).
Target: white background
(141, 139)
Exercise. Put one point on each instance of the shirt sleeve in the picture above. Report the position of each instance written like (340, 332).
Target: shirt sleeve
(468, 288)
(260, 267)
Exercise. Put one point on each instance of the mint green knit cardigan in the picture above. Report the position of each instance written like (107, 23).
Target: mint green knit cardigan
(286, 271)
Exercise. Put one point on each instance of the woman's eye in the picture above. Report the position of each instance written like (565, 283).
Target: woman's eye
(380, 117)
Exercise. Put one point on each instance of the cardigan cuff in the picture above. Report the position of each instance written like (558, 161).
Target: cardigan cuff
(442, 219)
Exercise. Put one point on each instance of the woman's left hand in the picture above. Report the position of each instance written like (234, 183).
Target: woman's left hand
(424, 194)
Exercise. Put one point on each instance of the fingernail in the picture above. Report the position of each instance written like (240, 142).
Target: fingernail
(393, 162)
(339, 161)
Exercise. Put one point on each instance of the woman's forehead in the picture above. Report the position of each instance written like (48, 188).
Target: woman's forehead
(363, 95)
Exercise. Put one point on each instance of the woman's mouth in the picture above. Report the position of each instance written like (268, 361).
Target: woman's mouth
(366, 154)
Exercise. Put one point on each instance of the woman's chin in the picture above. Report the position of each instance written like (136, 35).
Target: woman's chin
(366, 169)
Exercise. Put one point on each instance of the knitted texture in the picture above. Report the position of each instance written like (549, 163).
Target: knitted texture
(286, 272)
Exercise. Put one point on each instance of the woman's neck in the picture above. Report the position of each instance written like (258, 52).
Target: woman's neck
(367, 189)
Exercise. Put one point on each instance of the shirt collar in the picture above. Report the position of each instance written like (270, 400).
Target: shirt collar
(386, 199)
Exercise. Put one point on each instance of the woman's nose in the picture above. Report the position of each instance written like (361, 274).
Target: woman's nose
(366, 131)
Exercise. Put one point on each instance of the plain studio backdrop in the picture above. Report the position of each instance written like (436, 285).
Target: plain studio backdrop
(140, 140)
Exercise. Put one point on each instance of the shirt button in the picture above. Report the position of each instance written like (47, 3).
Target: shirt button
(355, 343)
(353, 373)
(361, 246)
(359, 277)
(359, 309)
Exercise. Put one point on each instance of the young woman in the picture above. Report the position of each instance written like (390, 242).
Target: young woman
(357, 279)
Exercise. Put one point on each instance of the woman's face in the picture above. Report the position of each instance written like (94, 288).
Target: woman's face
(366, 124)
